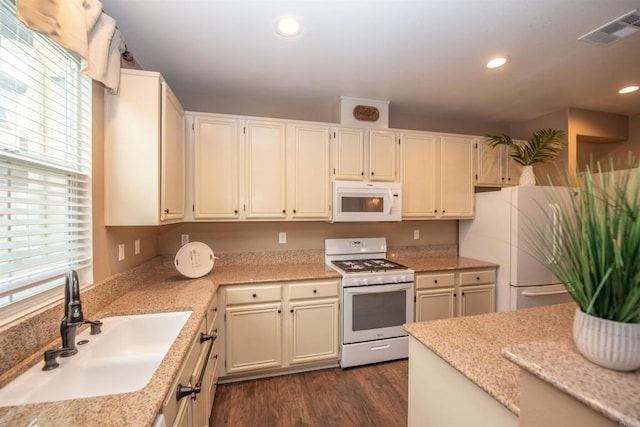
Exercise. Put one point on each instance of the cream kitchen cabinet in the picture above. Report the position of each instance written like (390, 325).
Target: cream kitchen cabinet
(265, 170)
(494, 166)
(383, 156)
(313, 321)
(308, 181)
(348, 154)
(446, 294)
(360, 154)
(253, 328)
(144, 152)
(436, 175)
(216, 168)
(190, 399)
(282, 327)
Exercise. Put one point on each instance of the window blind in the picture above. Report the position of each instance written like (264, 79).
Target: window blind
(45, 163)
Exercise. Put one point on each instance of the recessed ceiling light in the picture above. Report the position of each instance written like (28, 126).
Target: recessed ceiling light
(629, 89)
(288, 27)
(497, 62)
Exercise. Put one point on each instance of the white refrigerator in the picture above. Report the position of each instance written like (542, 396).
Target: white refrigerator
(499, 234)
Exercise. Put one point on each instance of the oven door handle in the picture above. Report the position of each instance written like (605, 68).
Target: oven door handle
(380, 288)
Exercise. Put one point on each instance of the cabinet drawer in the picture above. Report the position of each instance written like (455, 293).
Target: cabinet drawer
(313, 290)
(477, 277)
(435, 280)
(251, 294)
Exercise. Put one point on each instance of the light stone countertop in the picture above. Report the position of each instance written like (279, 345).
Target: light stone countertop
(165, 290)
(539, 340)
(614, 394)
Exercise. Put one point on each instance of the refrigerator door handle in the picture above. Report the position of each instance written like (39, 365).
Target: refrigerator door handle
(541, 294)
(554, 213)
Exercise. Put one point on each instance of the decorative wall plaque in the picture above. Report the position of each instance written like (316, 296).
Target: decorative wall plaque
(366, 113)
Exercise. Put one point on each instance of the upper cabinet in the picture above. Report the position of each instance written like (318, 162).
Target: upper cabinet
(495, 168)
(360, 155)
(216, 168)
(383, 156)
(259, 170)
(348, 154)
(308, 181)
(144, 152)
(436, 175)
(265, 172)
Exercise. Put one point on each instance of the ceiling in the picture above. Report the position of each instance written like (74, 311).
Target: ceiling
(425, 57)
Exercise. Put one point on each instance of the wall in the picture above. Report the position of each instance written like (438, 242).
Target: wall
(263, 236)
(107, 239)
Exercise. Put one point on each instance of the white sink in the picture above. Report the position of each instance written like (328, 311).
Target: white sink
(121, 359)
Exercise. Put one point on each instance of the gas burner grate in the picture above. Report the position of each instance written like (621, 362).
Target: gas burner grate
(367, 265)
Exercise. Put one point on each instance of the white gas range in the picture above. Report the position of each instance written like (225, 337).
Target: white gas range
(377, 299)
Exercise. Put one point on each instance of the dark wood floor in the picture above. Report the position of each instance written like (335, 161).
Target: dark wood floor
(371, 395)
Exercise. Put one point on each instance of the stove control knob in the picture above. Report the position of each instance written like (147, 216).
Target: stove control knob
(356, 282)
(403, 279)
(365, 282)
(380, 281)
(394, 279)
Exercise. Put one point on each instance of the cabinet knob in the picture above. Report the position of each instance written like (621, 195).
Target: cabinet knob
(292, 310)
(166, 211)
(279, 311)
(372, 173)
(435, 211)
(477, 278)
(443, 211)
(315, 291)
(235, 211)
(435, 281)
(294, 211)
(254, 295)
(284, 211)
(362, 173)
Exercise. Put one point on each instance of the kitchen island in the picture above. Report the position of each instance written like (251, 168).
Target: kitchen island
(485, 370)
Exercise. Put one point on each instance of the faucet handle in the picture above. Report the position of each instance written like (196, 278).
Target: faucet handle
(51, 356)
(96, 326)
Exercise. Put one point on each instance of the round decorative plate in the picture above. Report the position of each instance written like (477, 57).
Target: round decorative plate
(194, 260)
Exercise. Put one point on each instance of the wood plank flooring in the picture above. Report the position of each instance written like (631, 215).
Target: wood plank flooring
(371, 395)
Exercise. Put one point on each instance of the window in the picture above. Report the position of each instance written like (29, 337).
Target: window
(45, 167)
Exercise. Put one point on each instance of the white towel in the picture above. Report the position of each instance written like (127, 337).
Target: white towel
(105, 47)
(61, 20)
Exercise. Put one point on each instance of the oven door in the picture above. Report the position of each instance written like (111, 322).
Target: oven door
(376, 312)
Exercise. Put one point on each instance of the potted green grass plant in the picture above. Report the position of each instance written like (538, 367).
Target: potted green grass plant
(542, 147)
(594, 249)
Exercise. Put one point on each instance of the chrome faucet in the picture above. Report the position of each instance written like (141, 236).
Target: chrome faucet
(73, 317)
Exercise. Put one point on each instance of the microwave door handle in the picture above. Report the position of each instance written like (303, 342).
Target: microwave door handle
(386, 288)
(390, 201)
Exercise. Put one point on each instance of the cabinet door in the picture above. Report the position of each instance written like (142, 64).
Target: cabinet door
(433, 304)
(309, 179)
(313, 331)
(382, 155)
(457, 177)
(513, 168)
(265, 170)
(216, 172)
(419, 175)
(253, 337)
(478, 299)
(490, 164)
(348, 161)
(173, 157)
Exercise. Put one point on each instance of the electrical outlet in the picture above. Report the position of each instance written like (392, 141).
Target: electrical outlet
(282, 237)
(121, 252)
(137, 246)
(416, 234)
(184, 239)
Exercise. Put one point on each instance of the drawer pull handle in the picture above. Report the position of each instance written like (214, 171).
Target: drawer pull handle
(184, 391)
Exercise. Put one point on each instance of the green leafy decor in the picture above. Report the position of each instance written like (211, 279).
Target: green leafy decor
(594, 246)
(544, 146)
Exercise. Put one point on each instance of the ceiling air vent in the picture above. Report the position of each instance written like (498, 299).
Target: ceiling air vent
(615, 30)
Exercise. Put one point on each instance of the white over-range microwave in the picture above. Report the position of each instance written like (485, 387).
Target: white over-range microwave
(355, 201)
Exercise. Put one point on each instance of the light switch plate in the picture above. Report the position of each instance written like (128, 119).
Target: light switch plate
(184, 239)
(416, 234)
(137, 246)
(121, 252)
(282, 237)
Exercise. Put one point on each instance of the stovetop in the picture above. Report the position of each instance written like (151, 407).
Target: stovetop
(367, 265)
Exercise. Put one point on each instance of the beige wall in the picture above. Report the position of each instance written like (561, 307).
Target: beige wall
(597, 135)
(263, 236)
(107, 239)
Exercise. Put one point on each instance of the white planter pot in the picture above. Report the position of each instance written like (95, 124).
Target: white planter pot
(610, 344)
(527, 178)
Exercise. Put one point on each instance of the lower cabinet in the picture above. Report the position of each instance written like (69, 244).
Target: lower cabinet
(190, 399)
(279, 326)
(441, 295)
